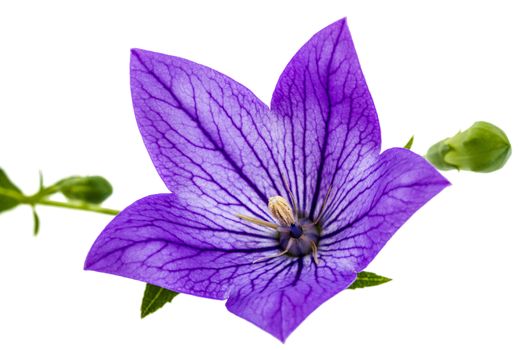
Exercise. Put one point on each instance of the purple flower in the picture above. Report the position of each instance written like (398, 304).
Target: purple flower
(275, 209)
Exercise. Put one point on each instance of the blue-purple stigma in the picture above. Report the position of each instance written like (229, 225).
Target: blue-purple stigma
(296, 231)
(298, 235)
(300, 239)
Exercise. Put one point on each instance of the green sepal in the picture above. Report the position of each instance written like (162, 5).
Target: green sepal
(436, 155)
(154, 298)
(88, 189)
(368, 279)
(409, 143)
(8, 202)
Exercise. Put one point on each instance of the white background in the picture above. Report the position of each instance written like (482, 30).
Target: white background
(65, 107)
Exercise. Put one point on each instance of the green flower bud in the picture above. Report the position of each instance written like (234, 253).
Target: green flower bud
(482, 148)
(89, 189)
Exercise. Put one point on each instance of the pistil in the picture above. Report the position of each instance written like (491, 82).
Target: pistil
(296, 231)
(297, 236)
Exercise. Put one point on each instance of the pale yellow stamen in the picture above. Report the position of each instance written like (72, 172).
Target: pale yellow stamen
(258, 221)
(323, 206)
(294, 204)
(276, 255)
(314, 252)
(281, 211)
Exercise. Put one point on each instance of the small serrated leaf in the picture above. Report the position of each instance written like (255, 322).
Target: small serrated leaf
(154, 298)
(368, 279)
(7, 202)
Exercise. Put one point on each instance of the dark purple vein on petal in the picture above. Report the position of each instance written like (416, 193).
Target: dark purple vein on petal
(205, 132)
(327, 125)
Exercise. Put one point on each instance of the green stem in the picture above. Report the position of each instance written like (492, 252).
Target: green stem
(38, 200)
(79, 206)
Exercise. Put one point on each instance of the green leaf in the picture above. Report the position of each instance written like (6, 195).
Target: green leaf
(368, 279)
(6, 201)
(154, 298)
(36, 221)
(409, 143)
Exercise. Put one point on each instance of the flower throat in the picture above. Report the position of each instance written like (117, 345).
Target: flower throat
(298, 235)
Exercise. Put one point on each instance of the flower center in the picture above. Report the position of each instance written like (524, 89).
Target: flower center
(298, 236)
(299, 239)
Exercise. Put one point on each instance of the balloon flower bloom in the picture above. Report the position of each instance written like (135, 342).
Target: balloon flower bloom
(275, 209)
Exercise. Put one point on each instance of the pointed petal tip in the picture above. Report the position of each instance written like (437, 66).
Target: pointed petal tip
(134, 51)
(134, 55)
(88, 263)
(267, 311)
(279, 334)
(342, 22)
(442, 179)
(283, 336)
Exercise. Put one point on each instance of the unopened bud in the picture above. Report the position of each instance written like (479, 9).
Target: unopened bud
(281, 211)
(481, 148)
(90, 189)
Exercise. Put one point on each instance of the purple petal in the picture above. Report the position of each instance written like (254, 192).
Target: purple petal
(279, 300)
(167, 242)
(387, 194)
(330, 121)
(208, 136)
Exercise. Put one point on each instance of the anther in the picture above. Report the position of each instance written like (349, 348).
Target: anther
(281, 211)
